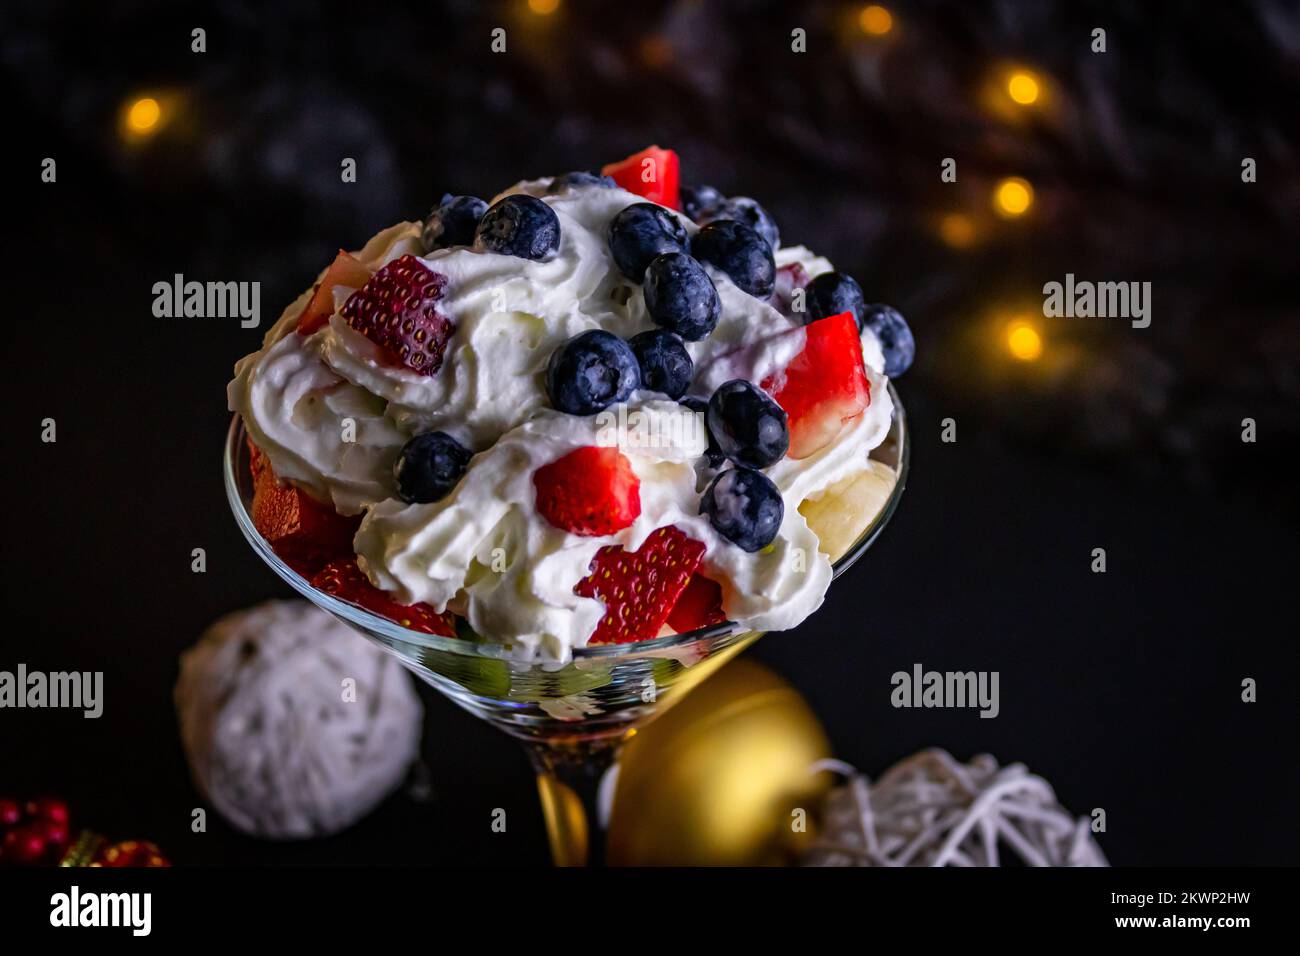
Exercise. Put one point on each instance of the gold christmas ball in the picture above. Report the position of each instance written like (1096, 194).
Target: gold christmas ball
(722, 778)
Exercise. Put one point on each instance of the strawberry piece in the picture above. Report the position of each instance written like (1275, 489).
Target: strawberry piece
(699, 605)
(397, 310)
(652, 173)
(346, 581)
(824, 386)
(257, 462)
(590, 491)
(639, 588)
(303, 532)
(344, 271)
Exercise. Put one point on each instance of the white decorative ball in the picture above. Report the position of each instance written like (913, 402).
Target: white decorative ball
(930, 810)
(294, 725)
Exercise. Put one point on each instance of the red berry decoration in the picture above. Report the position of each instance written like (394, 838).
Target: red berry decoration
(11, 812)
(137, 853)
(590, 491)
(36, 833)
(397, 310)
(55, 833)
(32, 832)
(639, 588)
(345, 580)
(49, 808)
(24, 845)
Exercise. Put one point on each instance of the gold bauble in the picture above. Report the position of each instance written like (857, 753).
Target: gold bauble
(718, 779)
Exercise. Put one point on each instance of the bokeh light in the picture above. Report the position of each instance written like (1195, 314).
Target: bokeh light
(1022, 86)
(875, 20)
(543, 7)
(1024, 341)
(656, 52)
(143, 115)
(957, 230)
(1012, 197)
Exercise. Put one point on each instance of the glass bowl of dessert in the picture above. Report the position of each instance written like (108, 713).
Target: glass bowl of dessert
(567, 453)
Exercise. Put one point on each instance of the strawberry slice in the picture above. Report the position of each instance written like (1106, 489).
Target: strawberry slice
(699, 605)
(639, 588)
(590, 491)
(652, 173)
(303, 532)
(345, 580)
(397, 310)
(824, 385)
(344, 271)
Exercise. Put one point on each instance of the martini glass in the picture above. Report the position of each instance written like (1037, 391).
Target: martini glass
(572, 718)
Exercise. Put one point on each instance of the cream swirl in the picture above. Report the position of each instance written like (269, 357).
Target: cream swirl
(485, 552)
(317, 429)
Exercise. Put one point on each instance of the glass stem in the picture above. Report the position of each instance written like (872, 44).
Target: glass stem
(570, 774)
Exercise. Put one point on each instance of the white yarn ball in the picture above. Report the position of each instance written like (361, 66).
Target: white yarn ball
(276, 740)
(930, 810)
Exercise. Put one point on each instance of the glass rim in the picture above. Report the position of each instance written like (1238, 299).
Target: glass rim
(236, 449)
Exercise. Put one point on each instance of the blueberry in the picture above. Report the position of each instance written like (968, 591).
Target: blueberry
(740, 252)
(591, 372)
(713, 453)
(745, 507)
(680, 296)
(665, 364)
(639, 233)
(521, 226)
(746, 210)
(698, 201)
(750, 428)
(452, 222)
(580, 178)
(429, 466)
(832, 293)
(895, 338)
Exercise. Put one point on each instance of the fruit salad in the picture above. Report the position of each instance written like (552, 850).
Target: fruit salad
(598, 408)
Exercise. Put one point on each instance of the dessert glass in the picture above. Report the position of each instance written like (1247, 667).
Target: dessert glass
(571, 718)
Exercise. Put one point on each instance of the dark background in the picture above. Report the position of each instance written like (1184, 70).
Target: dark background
(1122, 689)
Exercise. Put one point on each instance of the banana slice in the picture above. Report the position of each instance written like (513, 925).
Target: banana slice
(844, 510)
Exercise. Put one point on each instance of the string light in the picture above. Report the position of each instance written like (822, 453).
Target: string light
(875, 20)
(1022, 86)
(957, 230)
(543, 8)
(1024, 341)
(143, 115)
(1012, 197)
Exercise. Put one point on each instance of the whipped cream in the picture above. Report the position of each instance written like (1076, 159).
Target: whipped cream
(484, 551)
